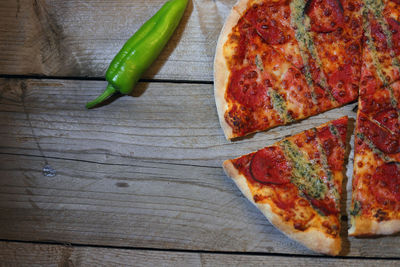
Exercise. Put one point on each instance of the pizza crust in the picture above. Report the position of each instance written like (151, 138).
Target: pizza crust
(312, 238)
(221, 71)
(362, 226)
(242, 5)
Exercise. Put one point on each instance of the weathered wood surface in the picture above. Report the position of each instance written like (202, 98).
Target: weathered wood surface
(143, 171)
(26, 254)
(79, 38)
(163, 121)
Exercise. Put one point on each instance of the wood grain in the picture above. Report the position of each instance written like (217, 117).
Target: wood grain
(80, 38)
(161, 121)
(25, 254)
(143, 171)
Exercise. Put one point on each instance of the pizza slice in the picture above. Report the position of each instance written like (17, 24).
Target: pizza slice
(381, 47)
(297, 183)
(376, 180)
(272, 68)
(256, 88)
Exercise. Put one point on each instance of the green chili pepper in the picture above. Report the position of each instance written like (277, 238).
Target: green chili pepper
(140, 51)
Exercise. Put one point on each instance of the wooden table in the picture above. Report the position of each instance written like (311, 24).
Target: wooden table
(138, 181)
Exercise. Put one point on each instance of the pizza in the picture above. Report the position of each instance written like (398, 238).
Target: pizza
(280, 61)
(297, 183)
(375, 206)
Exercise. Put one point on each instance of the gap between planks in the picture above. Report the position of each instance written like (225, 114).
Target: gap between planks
(107, 163)
(239, 253)
(77, 78)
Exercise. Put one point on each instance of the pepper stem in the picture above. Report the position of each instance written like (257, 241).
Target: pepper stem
(110, 90)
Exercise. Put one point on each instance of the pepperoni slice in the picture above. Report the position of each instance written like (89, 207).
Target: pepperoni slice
(340, 80)
(245, 89)
(334, 152)
(246, 33)
(269, 166)
(271, 35)
(377, 32)
(327, 206)
(341, 126)
(270, 30)
(394, 26)
(382, 138)
(379, 36)
(385, 183)
(389, 118)
(325, 15)
(322, 96)
(242, 164)
(372, 99)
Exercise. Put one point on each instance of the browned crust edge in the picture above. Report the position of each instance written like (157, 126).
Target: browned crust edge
(312, 238)
(221, 70)
(363, 226)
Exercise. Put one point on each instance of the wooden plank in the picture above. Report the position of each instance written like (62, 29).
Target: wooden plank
(161, 121)
(26, 254)
(143, 171)
(80, 38)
